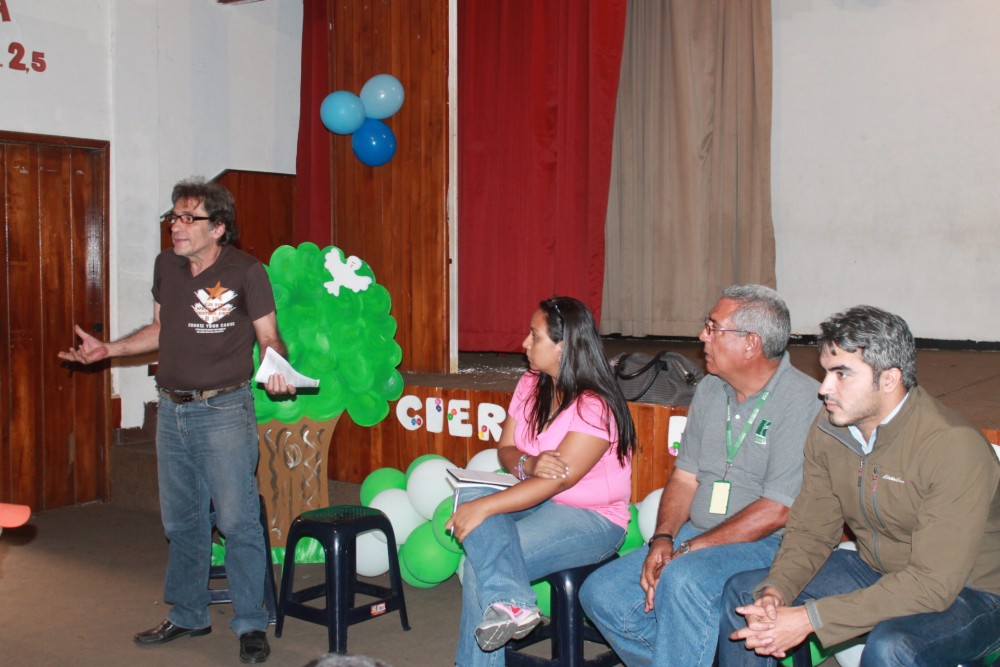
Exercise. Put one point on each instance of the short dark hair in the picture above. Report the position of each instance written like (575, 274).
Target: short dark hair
(884, 339)
(216, 199)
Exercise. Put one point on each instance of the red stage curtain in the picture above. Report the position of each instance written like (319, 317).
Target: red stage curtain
(313, 161)
(537, 86)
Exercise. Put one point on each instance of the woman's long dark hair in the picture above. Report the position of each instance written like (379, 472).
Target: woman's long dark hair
(583, 367)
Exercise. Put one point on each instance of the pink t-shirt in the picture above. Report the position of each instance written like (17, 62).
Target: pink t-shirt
(607, 487)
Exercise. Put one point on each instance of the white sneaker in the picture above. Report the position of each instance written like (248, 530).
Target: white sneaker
(503, 622)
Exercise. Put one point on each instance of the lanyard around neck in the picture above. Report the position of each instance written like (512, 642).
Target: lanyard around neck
(733, 448)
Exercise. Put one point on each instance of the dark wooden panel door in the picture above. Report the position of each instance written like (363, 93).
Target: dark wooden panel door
(55, 420)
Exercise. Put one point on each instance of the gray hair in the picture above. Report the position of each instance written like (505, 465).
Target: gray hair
(334, 660)
(763, 312)
(884, 339)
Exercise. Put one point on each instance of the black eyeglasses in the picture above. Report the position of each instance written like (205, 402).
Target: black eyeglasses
(186, 218)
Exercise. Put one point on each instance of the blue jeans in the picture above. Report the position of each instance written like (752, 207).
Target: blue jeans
(683, 626)
(506, 552)
(967, 630)
(207, 452)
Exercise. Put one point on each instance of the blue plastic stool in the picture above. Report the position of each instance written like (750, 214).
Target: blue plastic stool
(336, 528)
(567, 629)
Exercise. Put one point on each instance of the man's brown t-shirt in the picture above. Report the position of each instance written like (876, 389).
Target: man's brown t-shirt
(206, 321)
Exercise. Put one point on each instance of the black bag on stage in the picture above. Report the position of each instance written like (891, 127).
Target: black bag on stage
(669, 378)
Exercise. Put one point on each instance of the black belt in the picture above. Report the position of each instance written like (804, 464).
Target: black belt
(178, 396)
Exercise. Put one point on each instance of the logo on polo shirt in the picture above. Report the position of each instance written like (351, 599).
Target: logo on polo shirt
(760, 437)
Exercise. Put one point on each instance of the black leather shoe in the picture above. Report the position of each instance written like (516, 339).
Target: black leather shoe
(167, 632)
(254, 647)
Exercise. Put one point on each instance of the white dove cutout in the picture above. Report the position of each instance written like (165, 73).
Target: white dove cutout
(344, 274)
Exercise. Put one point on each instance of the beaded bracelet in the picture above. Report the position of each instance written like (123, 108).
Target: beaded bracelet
(520, 467)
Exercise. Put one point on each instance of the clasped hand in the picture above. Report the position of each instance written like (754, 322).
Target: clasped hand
(772, 628)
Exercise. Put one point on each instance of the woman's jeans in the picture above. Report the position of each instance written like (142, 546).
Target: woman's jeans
(207, 452)
(506, 552)
(683, 627)
(968, 629)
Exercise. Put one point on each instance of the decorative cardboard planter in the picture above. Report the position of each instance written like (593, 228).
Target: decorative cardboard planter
(292, 472)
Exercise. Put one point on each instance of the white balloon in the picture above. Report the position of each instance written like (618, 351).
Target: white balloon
(486, 460)
(647, 514)
(372, 554)
(461, 570)
(395, 504)
(428, 486)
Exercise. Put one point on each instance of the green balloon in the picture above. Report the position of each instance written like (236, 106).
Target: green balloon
(309, 550)
(543, 591)
(633, 538)
(425, 558)
(378, 481)
(344, 340)
(408, 576)
(440, 517)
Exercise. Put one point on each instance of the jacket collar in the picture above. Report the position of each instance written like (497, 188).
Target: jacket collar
(886, 432)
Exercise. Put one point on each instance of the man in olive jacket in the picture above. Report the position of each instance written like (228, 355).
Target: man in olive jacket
(917, 485)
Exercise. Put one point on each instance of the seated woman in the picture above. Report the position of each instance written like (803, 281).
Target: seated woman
(569, 436)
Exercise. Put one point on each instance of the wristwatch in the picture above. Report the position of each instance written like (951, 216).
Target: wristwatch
(684, 547)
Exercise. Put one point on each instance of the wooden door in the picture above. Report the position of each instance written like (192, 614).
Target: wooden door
(55, 421)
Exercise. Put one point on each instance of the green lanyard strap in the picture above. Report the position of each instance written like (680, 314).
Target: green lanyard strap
(733, 448)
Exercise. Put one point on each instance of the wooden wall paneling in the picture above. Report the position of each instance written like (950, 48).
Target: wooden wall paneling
(23, 314)
(652, 462)
(5, 369)
(645, 430)
(55, 319)
(265, 210)
(394, 216)
(89, 267)
(55, 434)
(6, 379)
(389, 444)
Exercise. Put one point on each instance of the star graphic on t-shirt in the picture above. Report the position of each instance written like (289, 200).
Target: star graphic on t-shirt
(217, 291)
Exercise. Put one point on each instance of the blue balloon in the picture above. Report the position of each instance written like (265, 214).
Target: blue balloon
(342, 112)
(382, 96)
(374, 143)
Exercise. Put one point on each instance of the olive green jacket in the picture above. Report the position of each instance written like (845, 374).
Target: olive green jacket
(923, 506)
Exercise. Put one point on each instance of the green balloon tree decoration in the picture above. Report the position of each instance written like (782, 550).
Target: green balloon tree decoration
(345, 340)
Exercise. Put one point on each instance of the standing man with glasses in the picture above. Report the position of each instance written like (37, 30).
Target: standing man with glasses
(722, 511)
(211, 302)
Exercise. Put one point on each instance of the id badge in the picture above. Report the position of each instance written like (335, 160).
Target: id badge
(720, 497)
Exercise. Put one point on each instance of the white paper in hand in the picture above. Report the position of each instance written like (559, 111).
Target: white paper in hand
(275, 363)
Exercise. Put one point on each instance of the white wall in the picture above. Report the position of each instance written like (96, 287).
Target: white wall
(886, 139)
(179, 87)
(886, 150)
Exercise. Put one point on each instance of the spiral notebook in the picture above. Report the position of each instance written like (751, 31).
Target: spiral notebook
(462, 477)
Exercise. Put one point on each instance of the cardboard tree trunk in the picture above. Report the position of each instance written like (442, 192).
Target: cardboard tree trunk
(292, 472)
